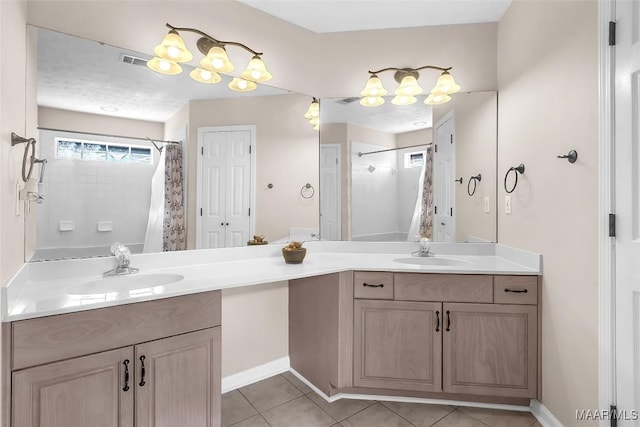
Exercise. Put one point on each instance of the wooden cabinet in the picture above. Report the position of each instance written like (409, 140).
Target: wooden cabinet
(157, 381)
(449, 324)
(397, 345)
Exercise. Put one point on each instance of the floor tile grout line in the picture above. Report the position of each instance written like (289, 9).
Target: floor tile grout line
(471, 416)
(291, 382)
(394, 412)
(249, 402)
(330, 416)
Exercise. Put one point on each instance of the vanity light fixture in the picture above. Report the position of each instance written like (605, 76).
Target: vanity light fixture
(372, 94)
(313, 114)
(173, 51)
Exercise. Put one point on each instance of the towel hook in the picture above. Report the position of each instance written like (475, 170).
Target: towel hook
(572, 156)
(516, 170)
(475, 179)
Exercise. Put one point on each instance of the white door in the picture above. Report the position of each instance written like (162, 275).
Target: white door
(443, 180)
(330, 192)
(627, 208)
(224, 189)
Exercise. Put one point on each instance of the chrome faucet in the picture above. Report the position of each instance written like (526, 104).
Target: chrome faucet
(425, 249)
(123, 255)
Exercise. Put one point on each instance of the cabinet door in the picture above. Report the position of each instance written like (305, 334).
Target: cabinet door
(490, 349)
(180, 385)
(79, 392)
(398, 345)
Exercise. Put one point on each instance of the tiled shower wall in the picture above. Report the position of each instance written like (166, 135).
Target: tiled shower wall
(86, 193)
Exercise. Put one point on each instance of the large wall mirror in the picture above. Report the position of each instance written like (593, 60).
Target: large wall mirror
(390, 173)
(103, 179)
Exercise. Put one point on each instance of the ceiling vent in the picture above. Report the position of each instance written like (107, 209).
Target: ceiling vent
(133, 60)
(346, 101)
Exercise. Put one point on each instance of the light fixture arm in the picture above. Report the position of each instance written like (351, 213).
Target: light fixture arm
(213, 39)
(408, 70)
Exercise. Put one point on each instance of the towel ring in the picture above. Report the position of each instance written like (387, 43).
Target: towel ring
(30, 144)
(306, 187)
(475, 179)
(516, 170)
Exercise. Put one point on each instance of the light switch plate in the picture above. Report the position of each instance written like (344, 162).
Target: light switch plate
(487, 204)
(507, 205)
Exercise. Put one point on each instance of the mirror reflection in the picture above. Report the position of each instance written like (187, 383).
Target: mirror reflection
(161, 162)
(391, 172)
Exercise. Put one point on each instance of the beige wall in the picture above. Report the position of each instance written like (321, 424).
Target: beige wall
(416, 137)
(94, 123)
(287, 156)
(255, 326)
(548, 83)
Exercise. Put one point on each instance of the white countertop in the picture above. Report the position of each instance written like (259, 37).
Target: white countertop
(48, 288)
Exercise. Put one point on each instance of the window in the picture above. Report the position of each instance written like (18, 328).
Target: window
(414, 159)
(105, 152)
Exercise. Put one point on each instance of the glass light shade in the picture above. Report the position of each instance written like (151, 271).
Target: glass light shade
(373, 87)
(256, 71)
(314, 121)
(371, 101)
(313, 110)
(160, 65)
(241, 85)
(173, 49)
(316, 127)
(437, 99)
(205, 76)
(445, 84)
(409, 87)
(217, 60)
(403, 100)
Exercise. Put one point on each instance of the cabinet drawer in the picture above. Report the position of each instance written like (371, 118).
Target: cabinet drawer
(372, 285)
(53, 338)
(516, 290)
(443, 287)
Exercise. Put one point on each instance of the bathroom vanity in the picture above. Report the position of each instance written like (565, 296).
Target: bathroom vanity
(364, 318)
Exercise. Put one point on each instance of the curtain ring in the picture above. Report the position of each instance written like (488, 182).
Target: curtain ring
(516, 170)
(475, 179)
(307, 186)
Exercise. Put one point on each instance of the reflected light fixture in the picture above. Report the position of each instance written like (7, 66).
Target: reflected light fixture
(372, 94)
(313, 114)
(173, 51)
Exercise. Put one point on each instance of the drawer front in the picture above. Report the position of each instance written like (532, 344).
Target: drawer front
(53, 338)
(372, 285)
(516, 290)
(443, 287)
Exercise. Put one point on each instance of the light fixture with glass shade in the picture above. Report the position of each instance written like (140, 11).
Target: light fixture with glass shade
(313, 114)
(173, 51)
(372, 94)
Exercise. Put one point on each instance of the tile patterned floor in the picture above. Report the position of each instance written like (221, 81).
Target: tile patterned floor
(284, 401)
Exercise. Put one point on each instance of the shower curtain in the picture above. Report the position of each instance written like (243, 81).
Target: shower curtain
(422, 221)
(166, 223)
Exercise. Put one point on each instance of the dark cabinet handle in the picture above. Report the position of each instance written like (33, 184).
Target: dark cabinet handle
(142, 372)
(126, 375)
(448, 321)
(516, 291)
(437, 321)
(381, 285)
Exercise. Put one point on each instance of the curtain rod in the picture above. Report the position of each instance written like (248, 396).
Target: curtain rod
(429, 144)
(109, 136)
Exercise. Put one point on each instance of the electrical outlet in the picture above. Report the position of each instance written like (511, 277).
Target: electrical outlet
(487, 204)
(507, 205)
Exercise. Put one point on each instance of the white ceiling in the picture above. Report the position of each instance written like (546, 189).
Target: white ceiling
(82, 75)
(327, 16)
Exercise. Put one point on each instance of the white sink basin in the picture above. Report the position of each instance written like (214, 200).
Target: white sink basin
(431, 261)
(128, 283)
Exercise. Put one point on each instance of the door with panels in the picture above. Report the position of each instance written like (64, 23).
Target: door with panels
(224, 188)
(443, 180)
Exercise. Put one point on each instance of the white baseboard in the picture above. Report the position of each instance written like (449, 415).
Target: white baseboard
(253, 375)
(544, 415)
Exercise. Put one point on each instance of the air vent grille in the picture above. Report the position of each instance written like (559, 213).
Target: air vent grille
(348, 100)
(133, 60)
